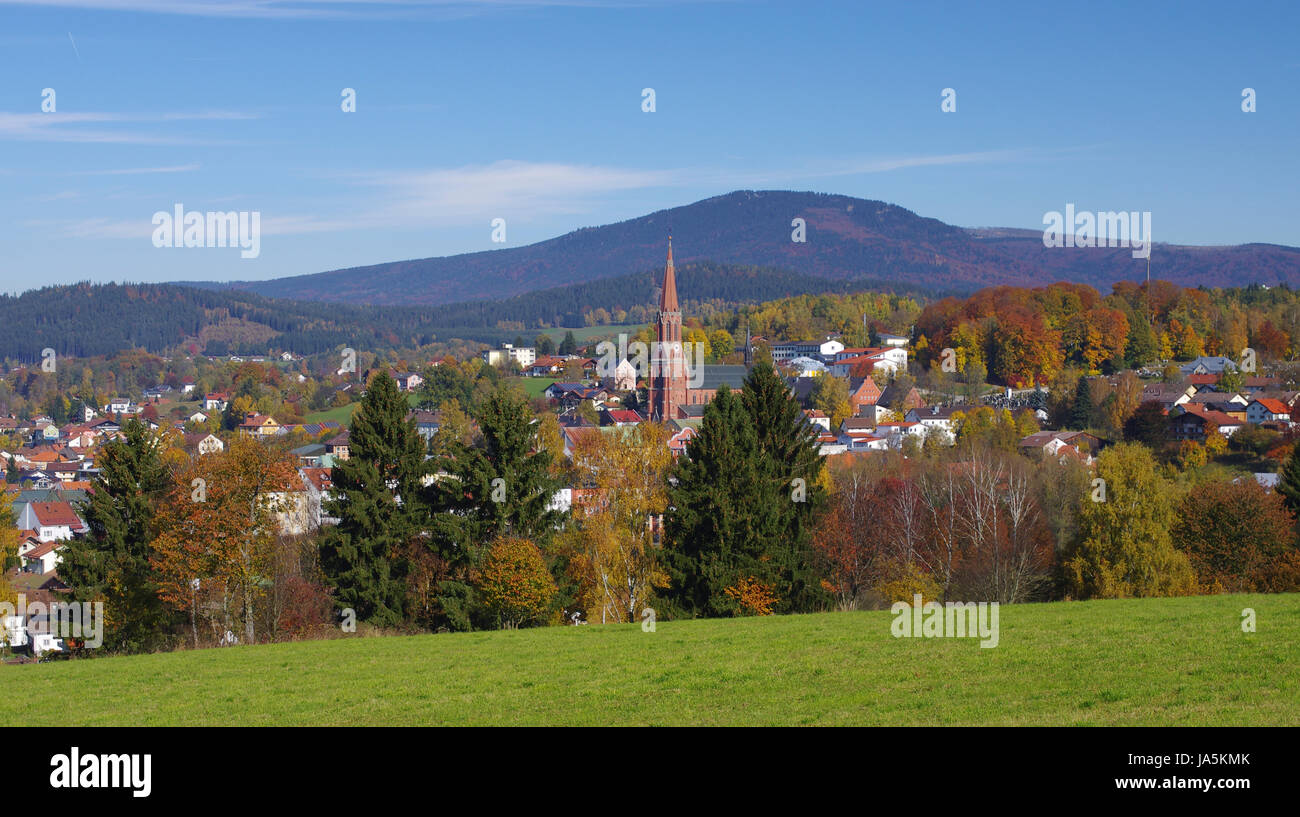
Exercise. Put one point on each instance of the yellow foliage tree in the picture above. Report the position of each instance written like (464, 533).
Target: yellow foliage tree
(612, 551)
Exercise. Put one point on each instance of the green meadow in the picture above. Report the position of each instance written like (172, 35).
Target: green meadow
(1182, 661)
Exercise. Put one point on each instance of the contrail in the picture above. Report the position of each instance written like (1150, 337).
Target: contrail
(74, 47)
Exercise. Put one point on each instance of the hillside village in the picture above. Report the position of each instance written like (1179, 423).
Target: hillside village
(872, 407)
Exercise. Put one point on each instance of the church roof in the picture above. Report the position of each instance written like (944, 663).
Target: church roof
(715, 375)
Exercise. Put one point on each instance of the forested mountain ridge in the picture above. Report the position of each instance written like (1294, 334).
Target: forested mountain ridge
(101, 319)
(846, 238)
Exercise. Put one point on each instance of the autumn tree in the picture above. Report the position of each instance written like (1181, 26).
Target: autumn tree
(217, 531)
(8, 547)
(1124, 547)
(1147, 424)
(610, 546)
(514, 583)
(1233, 531)
(831, 397)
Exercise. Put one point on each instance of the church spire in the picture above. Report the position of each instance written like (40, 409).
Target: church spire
(668, 298)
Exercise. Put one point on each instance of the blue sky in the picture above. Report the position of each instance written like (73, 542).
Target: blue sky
(531, 111)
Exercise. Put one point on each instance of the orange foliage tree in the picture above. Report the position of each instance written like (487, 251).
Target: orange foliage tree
(217, 527)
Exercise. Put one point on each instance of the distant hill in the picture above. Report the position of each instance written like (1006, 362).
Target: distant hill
(847, 238)
(101, 319)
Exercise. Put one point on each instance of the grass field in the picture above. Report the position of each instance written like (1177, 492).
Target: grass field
(534, 386)
(339, 414)
(343, 414)
(1173, 661)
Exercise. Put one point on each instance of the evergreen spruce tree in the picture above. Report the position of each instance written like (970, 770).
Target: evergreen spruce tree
(1081, 410)
(720, 523)
(111, 563)
(791, 463)
(500, 486)
(1289, 485)
(377, 498)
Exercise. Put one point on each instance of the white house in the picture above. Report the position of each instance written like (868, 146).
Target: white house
(895, 433)
(1268, 410)
(936, 420)
(52, 521)
(818, 418)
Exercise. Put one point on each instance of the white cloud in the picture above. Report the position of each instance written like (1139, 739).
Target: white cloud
(449, 197)
(137, 170)
(67, 127)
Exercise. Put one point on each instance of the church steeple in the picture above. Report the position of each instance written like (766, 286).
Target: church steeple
(668, 298)
(667, 363)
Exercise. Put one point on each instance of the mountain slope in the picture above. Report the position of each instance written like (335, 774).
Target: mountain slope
(847, 238)
(87, 319)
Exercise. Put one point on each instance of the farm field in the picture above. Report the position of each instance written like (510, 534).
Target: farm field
(584, 334)
(343, 414)
(1181, 661)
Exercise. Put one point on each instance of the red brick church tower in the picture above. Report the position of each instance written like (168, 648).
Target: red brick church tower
(667, 363)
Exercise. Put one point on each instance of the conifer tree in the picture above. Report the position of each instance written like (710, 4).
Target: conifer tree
(1289, 485)
(378, 501)
(790, 462)
(1081, 410)
(111, 563)
(499, 486)
(715, 532)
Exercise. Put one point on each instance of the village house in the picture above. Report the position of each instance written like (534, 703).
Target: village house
(407, 381)
(337, 446)
(260, 426)
(1078, 444)
(1208, 365)
(1268, 410)
(50, 521)
(817, 418)
(936, 420)
(1196, 423)
(895, 433)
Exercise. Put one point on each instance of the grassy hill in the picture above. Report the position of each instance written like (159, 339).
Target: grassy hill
(1170, 661)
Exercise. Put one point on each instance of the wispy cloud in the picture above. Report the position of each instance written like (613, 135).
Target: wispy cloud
(100, 127)
(138, 170)
(410, 199)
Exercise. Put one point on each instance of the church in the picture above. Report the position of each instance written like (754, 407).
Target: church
(672, 394)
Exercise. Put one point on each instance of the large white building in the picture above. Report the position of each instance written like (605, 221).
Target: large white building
(523, 355)
(818, 349)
